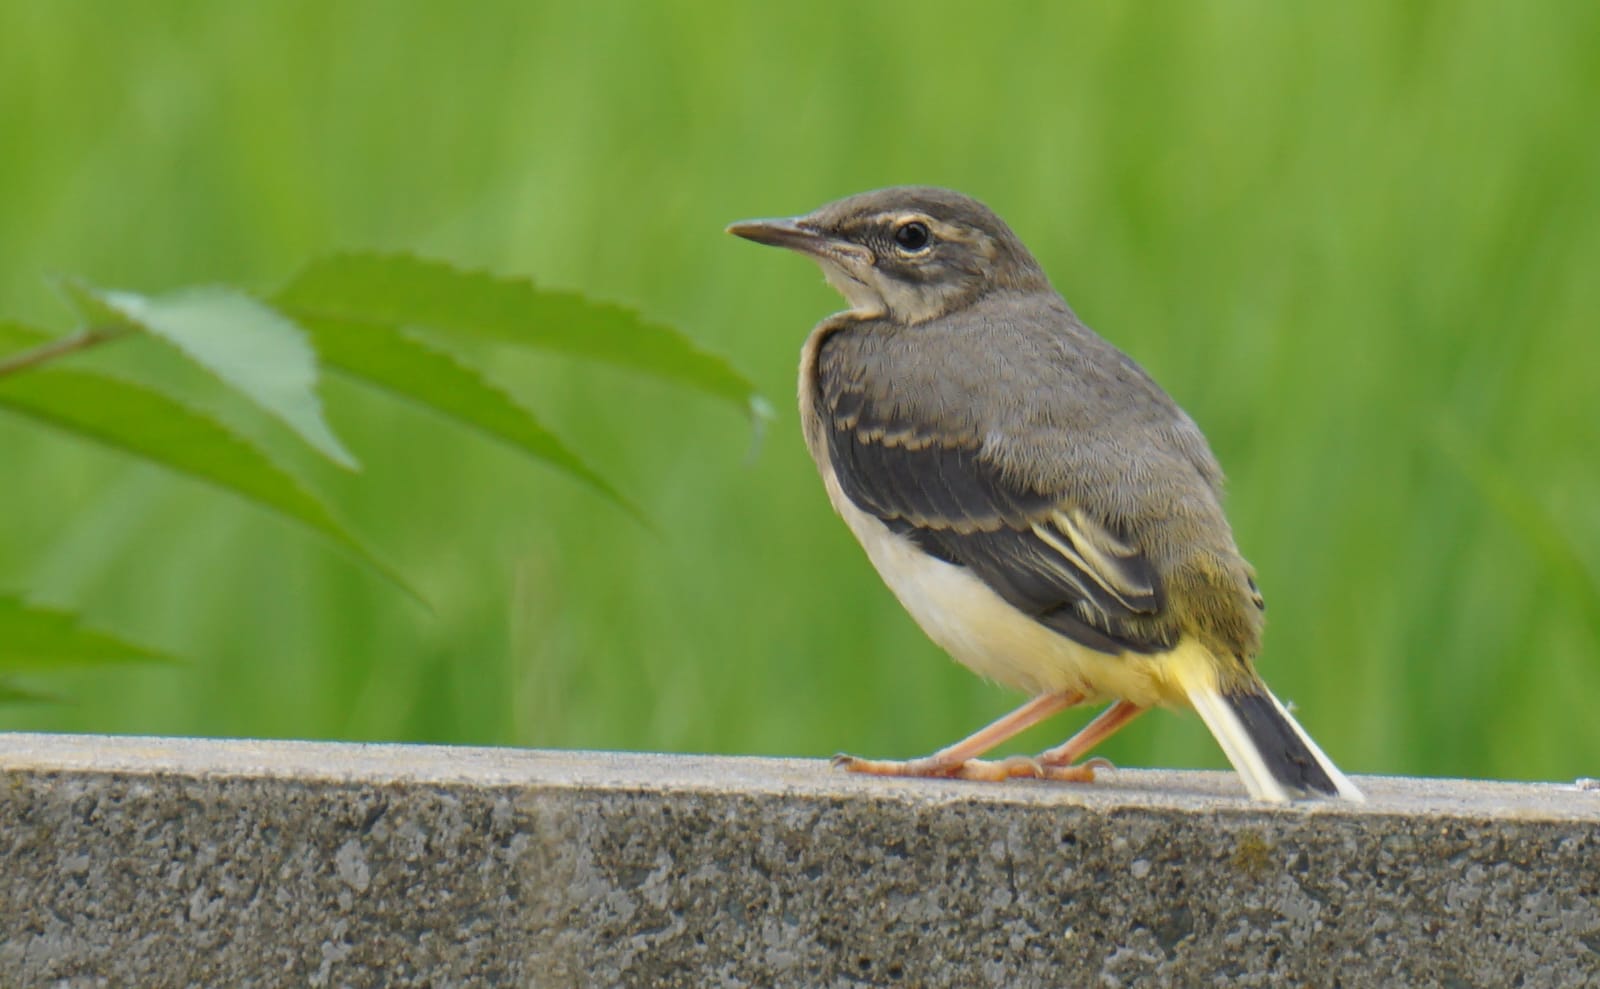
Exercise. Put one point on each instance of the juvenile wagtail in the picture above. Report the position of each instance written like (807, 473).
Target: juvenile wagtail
(1046, 513)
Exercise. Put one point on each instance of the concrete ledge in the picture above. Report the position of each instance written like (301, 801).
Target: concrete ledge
(155, 862)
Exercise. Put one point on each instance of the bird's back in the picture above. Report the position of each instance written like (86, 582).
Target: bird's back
(1068, 419)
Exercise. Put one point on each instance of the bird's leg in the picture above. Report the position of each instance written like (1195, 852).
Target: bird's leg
(960, 761)
(1061, 762)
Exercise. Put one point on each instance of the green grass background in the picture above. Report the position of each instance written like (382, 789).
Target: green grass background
(1359, 243)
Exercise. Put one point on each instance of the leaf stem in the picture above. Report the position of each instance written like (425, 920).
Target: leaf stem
(82, 340)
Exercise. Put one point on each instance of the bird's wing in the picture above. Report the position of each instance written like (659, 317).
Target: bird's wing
(1045, 555)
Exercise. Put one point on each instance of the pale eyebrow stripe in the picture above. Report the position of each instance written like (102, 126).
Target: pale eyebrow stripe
(940, 229)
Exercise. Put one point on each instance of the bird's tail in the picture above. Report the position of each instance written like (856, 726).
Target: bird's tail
(1274, 755)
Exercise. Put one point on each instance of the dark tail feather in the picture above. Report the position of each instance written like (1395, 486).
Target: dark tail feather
(1290, 756)
(1274, 755)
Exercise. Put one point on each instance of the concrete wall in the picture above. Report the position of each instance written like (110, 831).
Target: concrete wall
(153, 862)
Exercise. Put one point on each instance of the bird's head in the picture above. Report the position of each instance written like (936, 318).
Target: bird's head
(910, 253)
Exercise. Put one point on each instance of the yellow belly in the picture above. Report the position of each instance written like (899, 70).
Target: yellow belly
(990, 637)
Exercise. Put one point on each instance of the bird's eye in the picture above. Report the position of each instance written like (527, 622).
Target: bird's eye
(913, 236)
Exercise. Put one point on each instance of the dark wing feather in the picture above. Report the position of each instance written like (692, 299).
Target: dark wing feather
(1041, 554)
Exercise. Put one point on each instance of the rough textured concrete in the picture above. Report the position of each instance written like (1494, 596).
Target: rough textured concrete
(150, 862)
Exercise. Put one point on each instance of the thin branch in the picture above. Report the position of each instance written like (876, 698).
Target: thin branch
(82, 340)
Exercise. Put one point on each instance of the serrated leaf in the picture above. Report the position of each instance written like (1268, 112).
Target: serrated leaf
(147, 424)
(248, 345)
(38, 638)
(400, 289)
(403, 363)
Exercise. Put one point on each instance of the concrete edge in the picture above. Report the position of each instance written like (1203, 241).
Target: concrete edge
(378, 764)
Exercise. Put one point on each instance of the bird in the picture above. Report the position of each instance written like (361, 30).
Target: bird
(1045, 512)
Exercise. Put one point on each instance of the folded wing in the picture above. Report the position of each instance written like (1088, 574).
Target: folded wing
(1074, 573)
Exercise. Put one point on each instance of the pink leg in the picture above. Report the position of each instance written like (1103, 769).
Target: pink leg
(960, 760)
(1064, 757)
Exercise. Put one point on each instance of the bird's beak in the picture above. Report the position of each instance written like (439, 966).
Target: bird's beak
(796, 235)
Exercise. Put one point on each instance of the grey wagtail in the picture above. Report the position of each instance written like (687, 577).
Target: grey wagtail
(1046, 513)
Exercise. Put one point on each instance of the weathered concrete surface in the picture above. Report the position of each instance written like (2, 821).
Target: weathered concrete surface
(152, 862)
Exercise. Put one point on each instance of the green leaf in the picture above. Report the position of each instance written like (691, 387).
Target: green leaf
(35, 638)
(403, 363)
(399, 289)
(134, 419)
(10, 693)
(248, 345)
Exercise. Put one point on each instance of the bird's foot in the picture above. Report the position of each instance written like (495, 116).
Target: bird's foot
(1014, 767)
(924, 768)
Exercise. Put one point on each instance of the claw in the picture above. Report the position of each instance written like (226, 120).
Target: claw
(1020, 767)
(1083, 772)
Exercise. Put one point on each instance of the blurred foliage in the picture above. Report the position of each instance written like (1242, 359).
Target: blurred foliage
(368, 316)
(35, 639)
(1356, 242)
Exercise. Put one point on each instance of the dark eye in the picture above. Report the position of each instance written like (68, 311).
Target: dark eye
(913, 236)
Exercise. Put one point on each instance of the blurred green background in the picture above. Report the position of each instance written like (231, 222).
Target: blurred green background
(1359, 243)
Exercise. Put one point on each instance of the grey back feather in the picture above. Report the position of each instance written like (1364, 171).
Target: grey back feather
(1046, 417)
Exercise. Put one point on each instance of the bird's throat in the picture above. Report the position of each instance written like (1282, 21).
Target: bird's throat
(865, 300)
